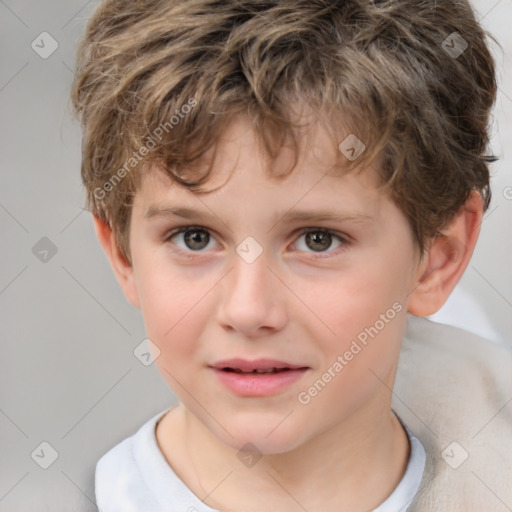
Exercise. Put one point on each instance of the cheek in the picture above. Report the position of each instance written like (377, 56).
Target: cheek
(363, 318)
(172, 305)
(350, 303)
(358, 359)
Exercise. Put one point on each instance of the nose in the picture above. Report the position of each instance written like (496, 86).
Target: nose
(252, 299)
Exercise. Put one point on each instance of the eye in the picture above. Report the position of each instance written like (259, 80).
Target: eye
(195, 238)
(319, 240)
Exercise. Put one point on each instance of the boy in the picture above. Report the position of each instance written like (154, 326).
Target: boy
(343, 145)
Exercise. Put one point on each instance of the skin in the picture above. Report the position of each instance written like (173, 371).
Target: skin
(345, 445)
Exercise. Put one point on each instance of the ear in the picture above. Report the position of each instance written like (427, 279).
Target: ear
(122, 268)
(444, 263)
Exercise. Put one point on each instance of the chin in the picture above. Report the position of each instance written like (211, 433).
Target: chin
(262, 434)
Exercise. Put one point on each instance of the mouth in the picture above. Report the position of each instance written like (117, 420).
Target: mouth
(263, 377)
(258, 367)
(260, 371)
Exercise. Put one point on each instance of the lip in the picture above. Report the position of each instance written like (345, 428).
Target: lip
(257, 364)
(252, 384)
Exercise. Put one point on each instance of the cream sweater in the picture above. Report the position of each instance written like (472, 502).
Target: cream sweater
(453, 390)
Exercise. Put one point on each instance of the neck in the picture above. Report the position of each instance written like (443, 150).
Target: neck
(357, 462)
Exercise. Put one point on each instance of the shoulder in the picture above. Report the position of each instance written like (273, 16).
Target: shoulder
(452, 360)
(453, 390)
(449, 339)
(119, 478)
(452, 378)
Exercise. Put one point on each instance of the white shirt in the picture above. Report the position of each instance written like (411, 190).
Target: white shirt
(134, 476)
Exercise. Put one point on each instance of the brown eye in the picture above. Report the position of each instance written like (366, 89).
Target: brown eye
(318, 240)
(194, 239)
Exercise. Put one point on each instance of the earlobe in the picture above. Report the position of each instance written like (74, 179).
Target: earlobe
(122, 268)
(446, 260)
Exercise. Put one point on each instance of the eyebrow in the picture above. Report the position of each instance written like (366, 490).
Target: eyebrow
(292, 216)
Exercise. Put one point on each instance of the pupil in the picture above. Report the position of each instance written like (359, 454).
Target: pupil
(319, 237)
(196, 236)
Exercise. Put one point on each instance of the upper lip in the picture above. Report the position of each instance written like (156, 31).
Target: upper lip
(257, 364)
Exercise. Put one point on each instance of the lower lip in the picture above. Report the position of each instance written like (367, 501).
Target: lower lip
(252, 384)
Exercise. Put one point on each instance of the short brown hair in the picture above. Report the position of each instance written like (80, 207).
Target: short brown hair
(158, 81)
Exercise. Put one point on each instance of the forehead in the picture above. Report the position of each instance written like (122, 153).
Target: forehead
(243, 174)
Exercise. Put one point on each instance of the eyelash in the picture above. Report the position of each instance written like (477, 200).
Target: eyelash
(194, 254)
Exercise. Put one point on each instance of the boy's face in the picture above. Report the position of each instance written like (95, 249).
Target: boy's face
(207, 295)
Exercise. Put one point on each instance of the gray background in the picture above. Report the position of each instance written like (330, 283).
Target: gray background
(68, 373)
